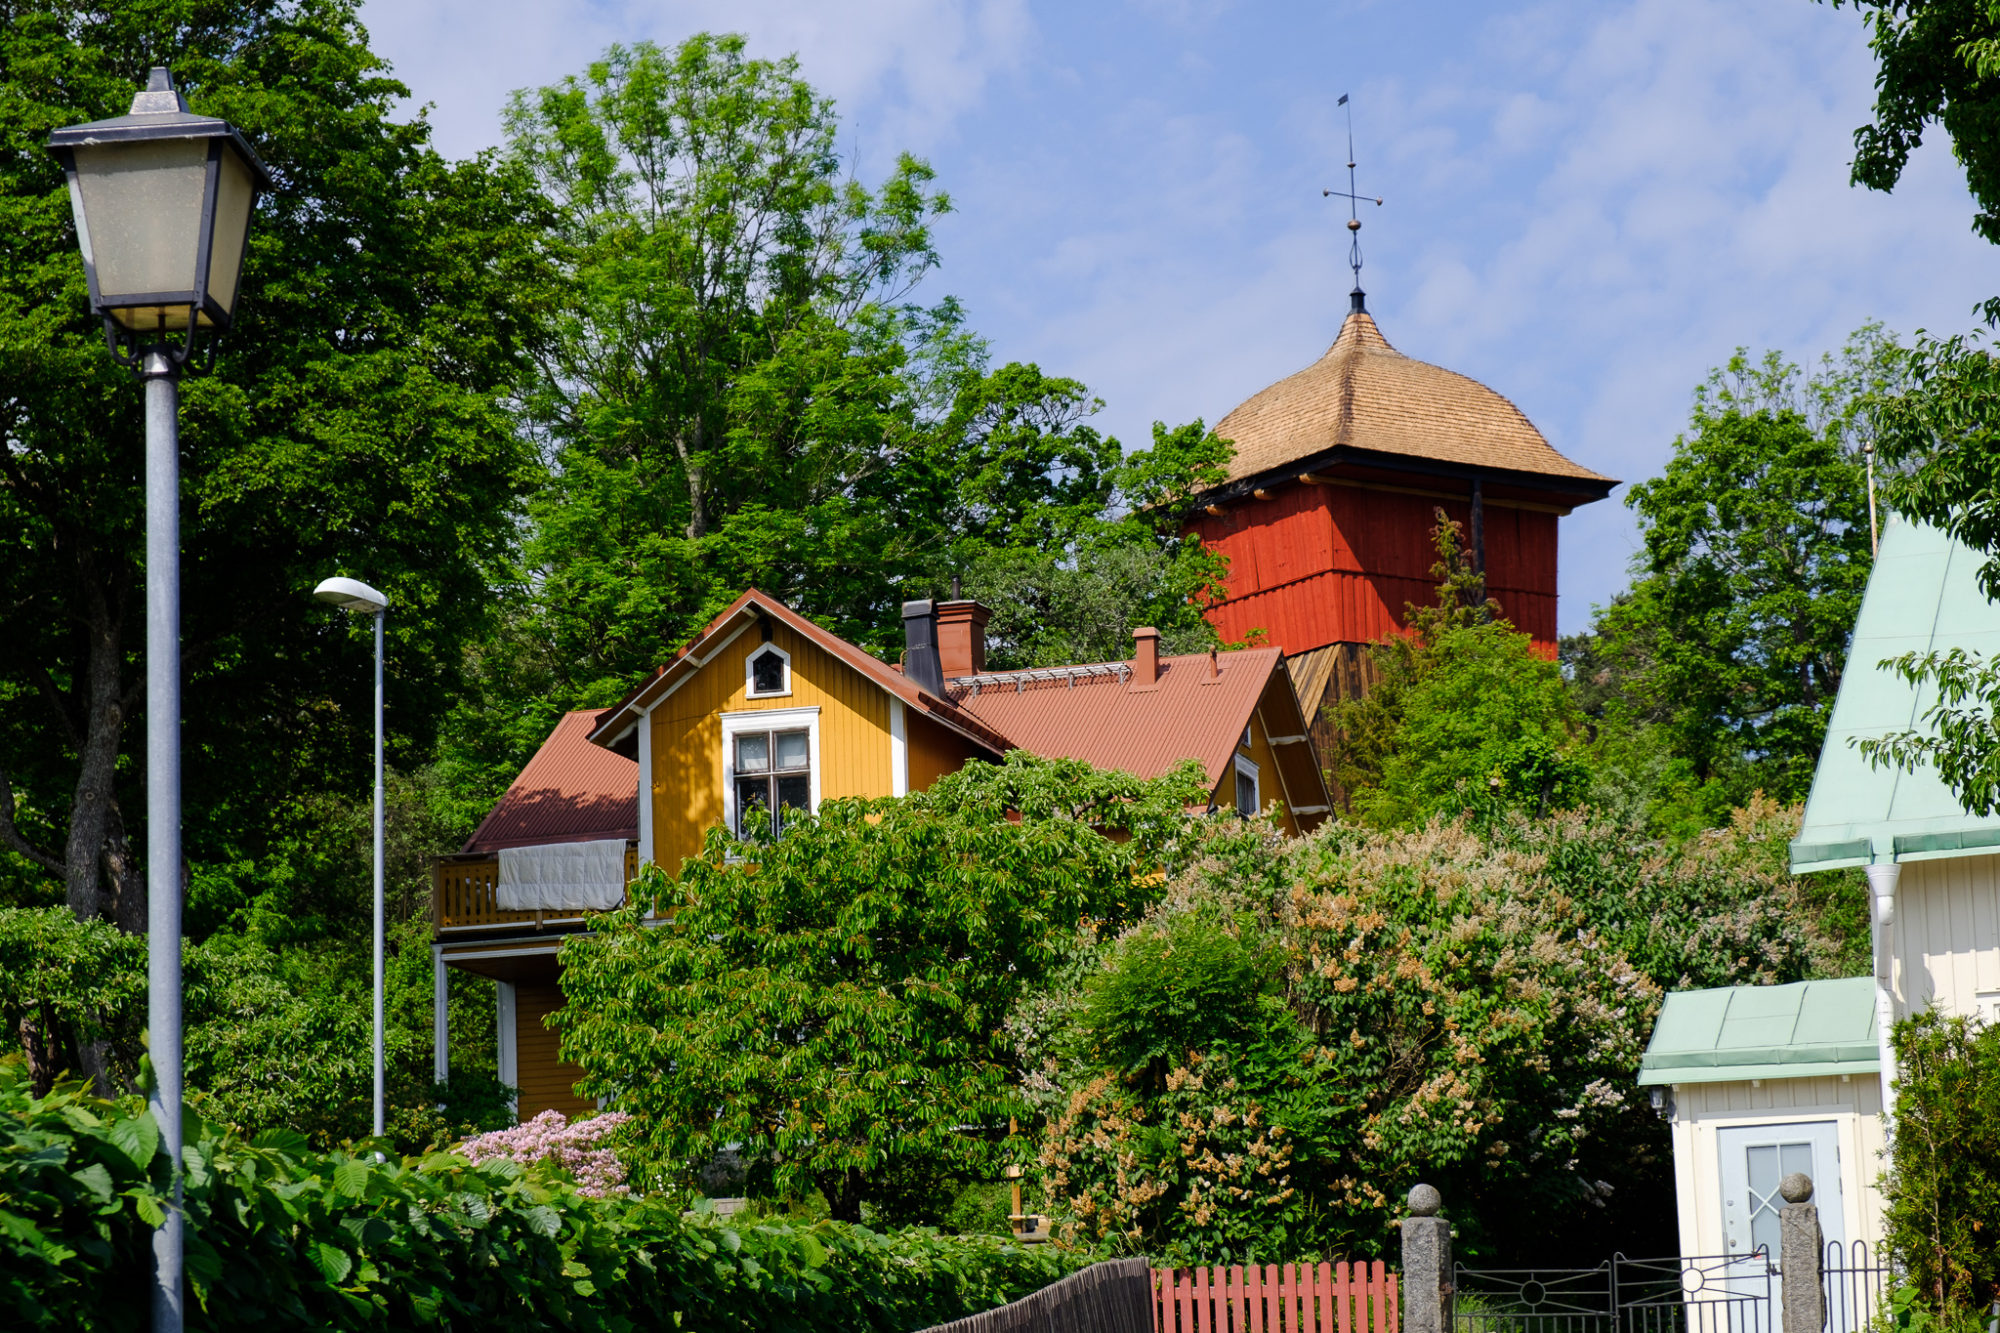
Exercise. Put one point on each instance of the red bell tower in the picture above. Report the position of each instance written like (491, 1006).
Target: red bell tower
(1327, 511)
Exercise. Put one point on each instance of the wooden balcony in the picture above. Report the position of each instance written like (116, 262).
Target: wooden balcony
(465, 898)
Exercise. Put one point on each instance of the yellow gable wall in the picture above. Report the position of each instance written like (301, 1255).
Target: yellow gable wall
(687, 736)
(1270, 784)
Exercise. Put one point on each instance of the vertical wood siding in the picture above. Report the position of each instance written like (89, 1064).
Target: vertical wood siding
(1701, 1110)
(935, 750)
(1270, 785)
(546, 1082)
(1338, 564)
(687, 737)
(1947, 935)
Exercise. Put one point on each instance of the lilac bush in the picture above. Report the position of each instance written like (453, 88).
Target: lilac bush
(579, 1148)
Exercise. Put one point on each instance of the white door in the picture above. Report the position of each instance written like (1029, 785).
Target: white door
(1754, 1159)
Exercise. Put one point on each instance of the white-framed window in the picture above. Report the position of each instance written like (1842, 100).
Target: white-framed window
(1246, 736)
(770, 767)
(767, 673)
(1247, 802)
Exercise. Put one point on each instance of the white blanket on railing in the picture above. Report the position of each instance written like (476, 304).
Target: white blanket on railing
(563, 876)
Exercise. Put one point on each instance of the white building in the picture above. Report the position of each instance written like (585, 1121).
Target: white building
(1783, 1078)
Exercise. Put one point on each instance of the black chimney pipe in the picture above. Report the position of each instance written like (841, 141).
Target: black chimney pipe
(920, 647)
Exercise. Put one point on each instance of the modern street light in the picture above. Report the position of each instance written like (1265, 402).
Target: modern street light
(353, 595)
(162, 200)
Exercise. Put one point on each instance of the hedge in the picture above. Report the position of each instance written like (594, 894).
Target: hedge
(283, 1237)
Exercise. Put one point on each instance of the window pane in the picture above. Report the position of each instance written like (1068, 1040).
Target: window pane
(1764, 1201)
(1246, 794)
(767, 673)
(791, 749)
(753, 797)
(753, 753)
(794, 794)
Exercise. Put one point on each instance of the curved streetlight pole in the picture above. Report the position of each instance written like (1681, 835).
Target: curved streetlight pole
(353, 595)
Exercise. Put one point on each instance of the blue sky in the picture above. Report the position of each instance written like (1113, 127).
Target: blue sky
(1589, 202)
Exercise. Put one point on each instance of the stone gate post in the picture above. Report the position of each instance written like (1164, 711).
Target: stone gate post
(1801, 1250)
(1427, 1270)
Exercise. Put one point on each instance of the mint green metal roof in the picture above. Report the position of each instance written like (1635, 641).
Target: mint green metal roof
(1923, 595)
(1803, 1030)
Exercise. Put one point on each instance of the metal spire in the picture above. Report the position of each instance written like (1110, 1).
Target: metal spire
(1356, 298)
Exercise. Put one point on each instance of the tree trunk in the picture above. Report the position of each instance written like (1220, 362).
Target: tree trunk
(97, 840)
(687, 444)
(843, 1195)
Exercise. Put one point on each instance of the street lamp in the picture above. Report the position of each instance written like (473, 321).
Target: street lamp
(162, 200)
(354, 595)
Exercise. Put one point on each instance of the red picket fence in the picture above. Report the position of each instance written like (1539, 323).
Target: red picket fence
(1276, 1298)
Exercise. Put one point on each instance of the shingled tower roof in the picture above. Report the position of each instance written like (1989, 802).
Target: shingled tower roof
(1365, 395)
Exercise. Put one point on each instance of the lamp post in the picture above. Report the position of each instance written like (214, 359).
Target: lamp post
(162, 200)
(354, 595)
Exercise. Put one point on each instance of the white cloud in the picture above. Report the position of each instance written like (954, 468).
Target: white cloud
(903, 71)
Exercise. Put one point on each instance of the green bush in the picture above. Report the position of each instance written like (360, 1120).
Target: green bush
(280, 1237)
(1943, 1183)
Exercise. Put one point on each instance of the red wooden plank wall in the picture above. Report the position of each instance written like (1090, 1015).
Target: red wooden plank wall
(1314, 565)
(1276, 1298)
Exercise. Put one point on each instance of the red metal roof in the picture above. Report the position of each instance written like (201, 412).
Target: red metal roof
(1107, 721)
(571, 791)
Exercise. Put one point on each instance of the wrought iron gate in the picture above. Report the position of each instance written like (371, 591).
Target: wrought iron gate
(1703, 1294)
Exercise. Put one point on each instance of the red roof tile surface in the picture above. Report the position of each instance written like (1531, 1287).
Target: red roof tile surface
(1108, 721)
(571, 791)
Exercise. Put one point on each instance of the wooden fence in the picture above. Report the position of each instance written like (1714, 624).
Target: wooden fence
(1111, 1297)
(1276, 1298)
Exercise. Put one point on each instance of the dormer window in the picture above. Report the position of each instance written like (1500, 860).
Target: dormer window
(767, 673)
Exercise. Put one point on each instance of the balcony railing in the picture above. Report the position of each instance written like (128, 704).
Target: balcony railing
(465, 896)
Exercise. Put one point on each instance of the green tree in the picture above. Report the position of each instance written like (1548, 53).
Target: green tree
(831, 1003)
(742, 393)
(1942, 1188)
(1728, 649)
(1939, 63)
(354, 421)
(1462, 714)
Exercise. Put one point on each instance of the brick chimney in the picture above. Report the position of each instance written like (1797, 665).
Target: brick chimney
(961, 638)
(1146, 658)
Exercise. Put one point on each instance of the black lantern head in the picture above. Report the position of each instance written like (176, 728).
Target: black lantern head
(163, 201)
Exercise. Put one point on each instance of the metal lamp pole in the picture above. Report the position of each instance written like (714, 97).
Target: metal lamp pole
(163, 808)
(354, 595)
(162, 200)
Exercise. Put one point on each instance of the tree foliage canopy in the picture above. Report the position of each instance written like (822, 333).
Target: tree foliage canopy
(1462, 714)
(1729, 647)
(831, 1004)
(1938, 62)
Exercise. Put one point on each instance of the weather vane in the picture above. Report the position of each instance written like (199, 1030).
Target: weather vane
(1354, 202)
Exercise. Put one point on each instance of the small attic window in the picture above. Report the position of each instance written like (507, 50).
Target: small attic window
(1247, 794)
(767, 672)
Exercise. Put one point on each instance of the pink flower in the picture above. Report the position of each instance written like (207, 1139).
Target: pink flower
(549, 1137)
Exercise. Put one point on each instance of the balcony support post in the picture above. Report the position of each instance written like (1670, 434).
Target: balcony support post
(440, 1013)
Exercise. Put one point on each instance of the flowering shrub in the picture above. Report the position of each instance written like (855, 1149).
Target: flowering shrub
(1301, 1029)
(577, 1148)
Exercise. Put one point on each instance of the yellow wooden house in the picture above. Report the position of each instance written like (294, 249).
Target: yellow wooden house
(766, 713)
